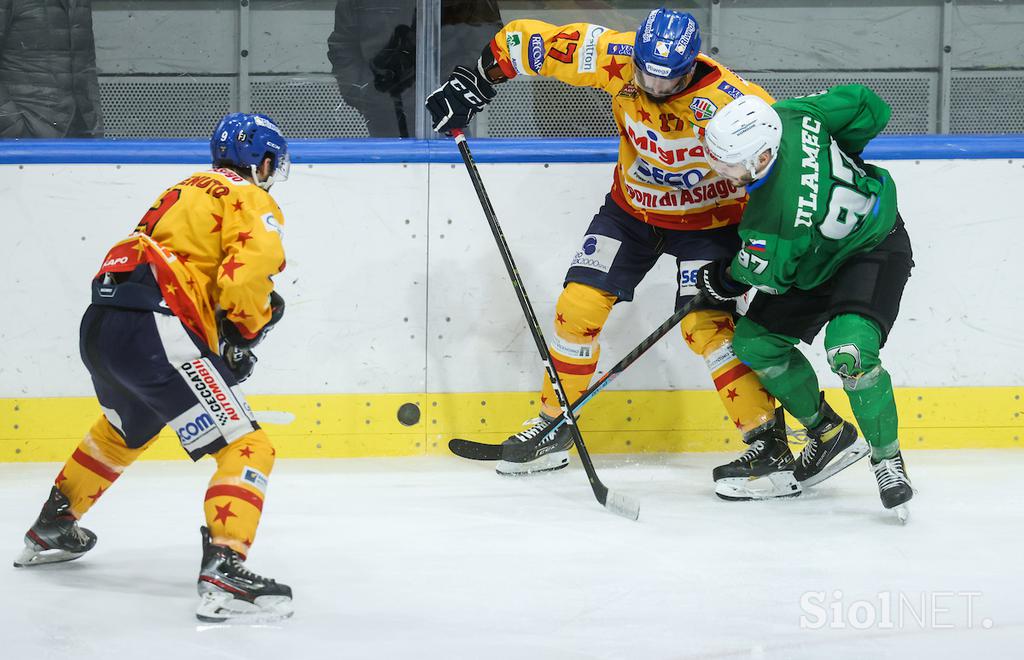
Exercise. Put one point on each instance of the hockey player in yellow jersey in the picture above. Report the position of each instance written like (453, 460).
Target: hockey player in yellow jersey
(665, 198)
(177, 308)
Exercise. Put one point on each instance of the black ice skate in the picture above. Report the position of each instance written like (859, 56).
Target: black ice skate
(764, 471)
(55, 536)
(893, 485)
(527, 452)
(230, 592)
(832, 445)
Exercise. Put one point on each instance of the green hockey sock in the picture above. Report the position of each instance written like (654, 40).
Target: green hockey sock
(783, 370)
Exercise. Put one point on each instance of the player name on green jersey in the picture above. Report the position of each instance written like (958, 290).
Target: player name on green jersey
(817, 207)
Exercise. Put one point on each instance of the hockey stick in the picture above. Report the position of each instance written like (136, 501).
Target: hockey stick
(274, 417)
(479, 451)
(613, 501)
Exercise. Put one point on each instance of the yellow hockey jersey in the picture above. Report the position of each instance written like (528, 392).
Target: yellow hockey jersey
(213, 242)
(662, 176)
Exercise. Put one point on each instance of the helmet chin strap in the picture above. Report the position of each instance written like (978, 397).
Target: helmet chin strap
(256, 178)
(752, 165)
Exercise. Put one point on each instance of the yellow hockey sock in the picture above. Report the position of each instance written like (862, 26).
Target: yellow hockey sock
(234, 499)
(580, 315)
(95, 464)
(709, 334)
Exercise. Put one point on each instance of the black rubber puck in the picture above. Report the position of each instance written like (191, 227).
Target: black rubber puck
(408, 414)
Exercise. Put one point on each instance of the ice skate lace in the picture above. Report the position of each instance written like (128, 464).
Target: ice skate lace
(79, 535)
(752, 452)
(807, 455)
(241, 570)
(532, 432)
(889, 473)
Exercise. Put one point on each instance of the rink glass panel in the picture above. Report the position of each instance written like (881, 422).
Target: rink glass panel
(170, 69)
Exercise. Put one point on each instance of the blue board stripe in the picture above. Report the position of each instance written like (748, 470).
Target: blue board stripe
(485, 150)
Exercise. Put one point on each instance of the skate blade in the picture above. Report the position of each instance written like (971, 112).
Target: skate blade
(33, 557)
(222, 607)
(547, 463)
(902, 513)
(770, 486)
(858, 450)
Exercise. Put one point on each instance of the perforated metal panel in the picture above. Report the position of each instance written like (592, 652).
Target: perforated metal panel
(912, 96)
(548, 108)
(308, 107)
(164, 107)
(987, 102)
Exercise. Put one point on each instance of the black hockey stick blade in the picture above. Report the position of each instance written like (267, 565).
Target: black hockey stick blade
(474, 451)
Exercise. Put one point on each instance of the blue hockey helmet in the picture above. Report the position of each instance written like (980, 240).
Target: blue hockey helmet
(243, 140)
(665, 52)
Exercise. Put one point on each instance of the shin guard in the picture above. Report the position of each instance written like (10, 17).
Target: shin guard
(95, 465)
(709, 334)
(234, 499)
(580, 315)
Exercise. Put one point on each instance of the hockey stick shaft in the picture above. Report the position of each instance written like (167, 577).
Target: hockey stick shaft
(488, 452)
(625, 362)
(616, 503)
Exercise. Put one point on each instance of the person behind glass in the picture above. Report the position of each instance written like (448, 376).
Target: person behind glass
(373, 54)
(48, 84)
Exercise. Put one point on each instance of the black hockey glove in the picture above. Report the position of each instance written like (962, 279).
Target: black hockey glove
(453, 104)
(236, 350)
(241, 361)
(714, 280)
(230, 334)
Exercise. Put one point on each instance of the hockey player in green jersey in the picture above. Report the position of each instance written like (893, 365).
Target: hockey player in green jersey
(824, 245)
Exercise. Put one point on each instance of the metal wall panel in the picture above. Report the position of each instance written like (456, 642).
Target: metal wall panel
(987, 102)
(163, 107)
(307, 106)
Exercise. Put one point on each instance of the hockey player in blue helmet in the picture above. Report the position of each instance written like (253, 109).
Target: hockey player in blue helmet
(252, 144)
(186, 298)
(665, 199)
(665, 53)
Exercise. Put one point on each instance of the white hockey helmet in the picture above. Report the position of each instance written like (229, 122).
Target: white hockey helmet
(736, 137)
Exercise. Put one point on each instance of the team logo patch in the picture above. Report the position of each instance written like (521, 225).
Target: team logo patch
(730, 90)
(845, 360)
(703, 109)
(536, 52)
(514, 42)
(193, 425)
(588, 50)
(572, 350)
(661, 48)
(598, 252)
(272, 224)
(253, 476)
(621, 49)
(628, 91)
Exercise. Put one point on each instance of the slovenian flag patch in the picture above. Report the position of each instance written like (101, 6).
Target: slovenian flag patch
(757, 245)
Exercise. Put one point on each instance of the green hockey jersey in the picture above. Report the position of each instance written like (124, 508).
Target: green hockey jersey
(816, 207)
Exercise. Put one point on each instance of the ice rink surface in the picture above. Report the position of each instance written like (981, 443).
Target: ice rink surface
(440, 558)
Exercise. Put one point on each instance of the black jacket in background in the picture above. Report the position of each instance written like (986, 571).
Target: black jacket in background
(372, 53)
(48, 85)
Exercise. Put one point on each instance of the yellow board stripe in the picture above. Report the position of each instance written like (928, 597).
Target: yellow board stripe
(365, 425)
